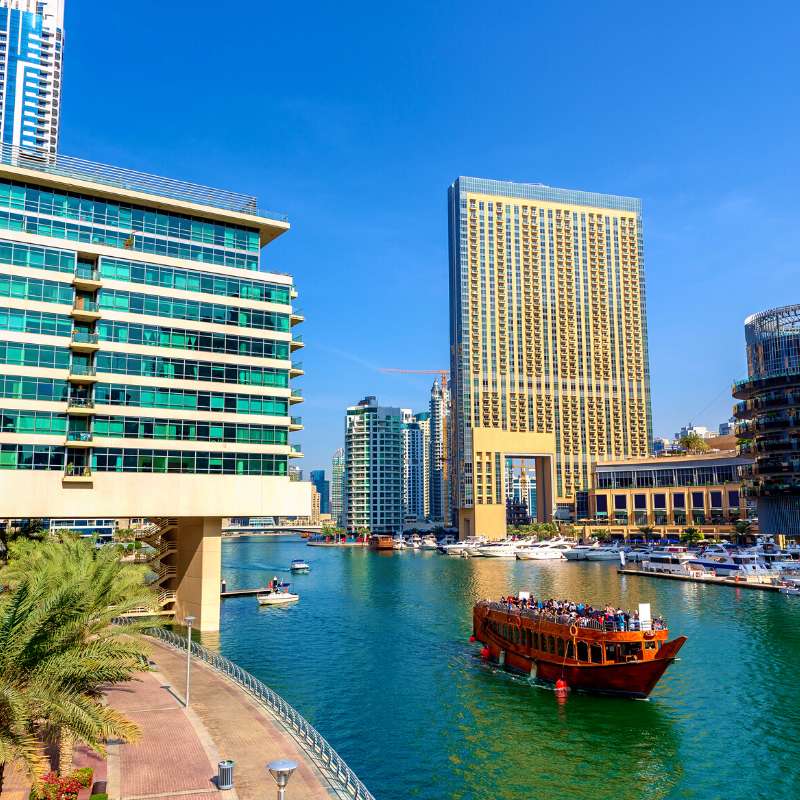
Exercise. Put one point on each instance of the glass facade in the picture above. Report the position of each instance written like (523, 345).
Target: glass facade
(118, 427)
(113, 459)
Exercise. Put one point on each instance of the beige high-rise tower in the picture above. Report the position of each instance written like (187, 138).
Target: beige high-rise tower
(548, 340)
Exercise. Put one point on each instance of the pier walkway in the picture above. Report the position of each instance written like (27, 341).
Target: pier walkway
(177, 755)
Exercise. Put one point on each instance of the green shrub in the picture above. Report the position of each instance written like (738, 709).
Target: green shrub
(99, 796)
(84, 776)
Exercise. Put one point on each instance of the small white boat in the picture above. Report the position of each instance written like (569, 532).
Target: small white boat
(399, 543)
(674, 561)
(791, 591)
(603, 553)
(278, 598)
(502, 549)
(429, 543)
(638, 553)
(414, 541)
(459, 548)
(544, 551)
(299, 565)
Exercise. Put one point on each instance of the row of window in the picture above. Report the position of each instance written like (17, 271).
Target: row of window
(29, 255)
(187, 430)
(191, 310)
(34, 355)
(671, 476)
(35, 289)
(678, 500)
(184, 369)
(46, 389)
(14, 319)
(128, 240)
(150, 397)
(39, 422)
(192, 280)
(71, 205)
(179, 338)
(112, 459)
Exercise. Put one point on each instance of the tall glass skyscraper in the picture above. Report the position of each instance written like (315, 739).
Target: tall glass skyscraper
(323, 488)
(31, 48)
(337, 487)
(548, 340)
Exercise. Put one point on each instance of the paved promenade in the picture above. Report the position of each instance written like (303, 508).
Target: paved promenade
(176, 758)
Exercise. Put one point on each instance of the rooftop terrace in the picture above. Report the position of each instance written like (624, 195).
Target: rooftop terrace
(132, 180)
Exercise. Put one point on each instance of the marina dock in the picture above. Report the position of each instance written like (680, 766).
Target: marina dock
(767, 587)
(243, 592)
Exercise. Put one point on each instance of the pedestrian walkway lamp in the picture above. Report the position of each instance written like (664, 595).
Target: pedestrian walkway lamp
(189, 622)
(281, 770)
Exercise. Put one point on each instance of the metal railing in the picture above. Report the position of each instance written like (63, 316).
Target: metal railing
(80, 402)
(86, 305)
(330, 763)
(87, 273)
(84, 337)
(81, 369)
(132, 180)
(79, 436)
(566, 619)
(296, 420)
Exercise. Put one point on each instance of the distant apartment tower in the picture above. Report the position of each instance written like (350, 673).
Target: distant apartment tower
(337, 487)
(323, 488)
(423, 419)
(548, 341)
(438, 486)
(413, 471)
(31, 48)
(373, 468)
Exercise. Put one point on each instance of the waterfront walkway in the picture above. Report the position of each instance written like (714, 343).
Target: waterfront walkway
(176, 758)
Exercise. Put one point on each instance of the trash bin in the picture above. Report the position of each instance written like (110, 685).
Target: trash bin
(225, 774)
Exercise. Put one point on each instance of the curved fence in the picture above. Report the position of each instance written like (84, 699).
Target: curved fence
(329, 762)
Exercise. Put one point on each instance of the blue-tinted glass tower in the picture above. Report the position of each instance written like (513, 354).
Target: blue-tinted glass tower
(31, 46)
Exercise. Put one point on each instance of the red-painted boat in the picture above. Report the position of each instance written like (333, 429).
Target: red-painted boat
(583, 656)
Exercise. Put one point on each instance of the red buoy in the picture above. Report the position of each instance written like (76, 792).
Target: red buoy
(484, 652)
(561, 685)
(472, 640)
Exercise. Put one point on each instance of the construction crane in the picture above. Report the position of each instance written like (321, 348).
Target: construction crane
(443, 373)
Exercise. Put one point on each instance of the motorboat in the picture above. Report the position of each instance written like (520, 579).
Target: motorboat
(791, 587)
(674, 561)
(578, 551)
(606, 552)
(414, 541)
(399, 543)
(734, 564)
(544, 551)
(429, 543)
(279, 597)
(638, 553)
(506, 548)
(299, 565)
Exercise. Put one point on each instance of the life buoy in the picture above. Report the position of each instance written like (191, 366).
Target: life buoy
(649, 635)
(573, 630)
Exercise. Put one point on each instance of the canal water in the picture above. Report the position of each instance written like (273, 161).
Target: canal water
(376, 656)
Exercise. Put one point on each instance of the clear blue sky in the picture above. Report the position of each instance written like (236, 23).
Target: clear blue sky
(354, 118)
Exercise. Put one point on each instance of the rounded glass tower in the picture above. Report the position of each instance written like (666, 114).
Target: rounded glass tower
(769, 417)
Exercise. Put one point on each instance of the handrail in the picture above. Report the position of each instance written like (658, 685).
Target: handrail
(565, 619)
(312, 742)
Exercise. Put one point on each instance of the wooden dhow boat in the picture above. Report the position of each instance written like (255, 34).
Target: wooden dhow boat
(577, 654)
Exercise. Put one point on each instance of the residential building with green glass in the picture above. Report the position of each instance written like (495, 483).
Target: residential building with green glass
(146, 360)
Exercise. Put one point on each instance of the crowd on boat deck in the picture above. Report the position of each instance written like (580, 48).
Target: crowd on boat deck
(566, 612)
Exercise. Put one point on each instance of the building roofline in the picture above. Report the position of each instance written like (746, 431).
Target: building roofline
(140, 188)
(667, 460)
(541, 191)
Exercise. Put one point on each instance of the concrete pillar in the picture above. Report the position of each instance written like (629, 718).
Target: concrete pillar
(544, 488)
(198, 564)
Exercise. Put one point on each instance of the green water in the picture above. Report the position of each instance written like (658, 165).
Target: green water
(376, 656)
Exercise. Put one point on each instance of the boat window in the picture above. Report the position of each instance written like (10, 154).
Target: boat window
(560, 643)
(570, 649)
(611, 652)
(504, 633)
(597, 654)
(632, 650)
(649, 645)
(583, 651)
(551, 644)
(535, 640)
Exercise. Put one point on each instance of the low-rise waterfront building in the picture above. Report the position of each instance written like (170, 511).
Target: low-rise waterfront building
(769, 417)
(145, 361)
(373, 468)
(668, 494)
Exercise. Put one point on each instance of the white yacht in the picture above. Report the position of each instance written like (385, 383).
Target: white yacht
(734, 563)
(578, 551)
(605, 552)
(544, 551)
(459, 548)
(638, 553)
(399, 543)
(674, 561)
(414, 541)
(505, 548)
(429, 543)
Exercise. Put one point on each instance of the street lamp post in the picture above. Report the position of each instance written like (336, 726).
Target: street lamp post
(281, 770)
(189, 622)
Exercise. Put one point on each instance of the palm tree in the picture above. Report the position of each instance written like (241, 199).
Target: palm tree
(691, 536)
(693, 443)
(58, 649)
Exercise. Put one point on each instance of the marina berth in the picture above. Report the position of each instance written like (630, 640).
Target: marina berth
(608, 650)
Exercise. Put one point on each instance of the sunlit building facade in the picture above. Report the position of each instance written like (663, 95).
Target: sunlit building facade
(548, 341)
(337, 487)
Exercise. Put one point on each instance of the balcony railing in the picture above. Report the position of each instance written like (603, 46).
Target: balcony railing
(297, 365)
(87, 273)
(82, 369)
(297, 448)
(84, 337)
(77, 471)
(80, 402)
(79, 436)
(132, 180)
(296, 420)
(86, 305)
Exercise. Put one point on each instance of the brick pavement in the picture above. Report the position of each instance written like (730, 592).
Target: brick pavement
(177, 755)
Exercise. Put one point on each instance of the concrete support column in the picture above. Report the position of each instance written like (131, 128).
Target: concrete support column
(544, 488)
(198, 564)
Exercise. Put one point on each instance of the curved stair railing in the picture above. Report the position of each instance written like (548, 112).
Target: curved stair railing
(329, 762)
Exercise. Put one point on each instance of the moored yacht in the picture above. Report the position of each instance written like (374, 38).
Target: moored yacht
(414, 541)
(506, 548)
(606, 552)
(578, 551)
(552, 550)
(399, 543)
(734, 564)
(674, 561)
(429, 543)
(458, 548)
